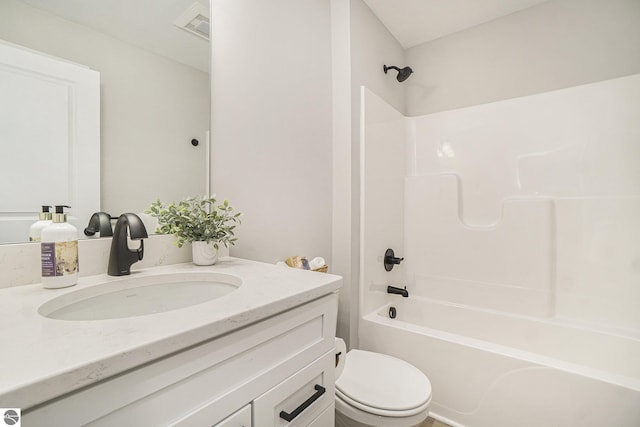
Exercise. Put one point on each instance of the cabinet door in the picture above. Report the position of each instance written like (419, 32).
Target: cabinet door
(241, 418)
(300, 399)
(326, 419)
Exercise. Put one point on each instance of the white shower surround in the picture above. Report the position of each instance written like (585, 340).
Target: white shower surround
(526, 210)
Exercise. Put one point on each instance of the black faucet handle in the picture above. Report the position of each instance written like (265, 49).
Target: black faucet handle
(390, 260)
(121, 257)
(99, 222)
(141, 250)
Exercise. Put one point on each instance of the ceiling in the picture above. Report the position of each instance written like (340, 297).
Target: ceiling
(149, 23)
(413, 22)
(144, 23)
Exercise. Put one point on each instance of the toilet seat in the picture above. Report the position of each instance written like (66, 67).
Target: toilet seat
(383, 412)
(383, 385)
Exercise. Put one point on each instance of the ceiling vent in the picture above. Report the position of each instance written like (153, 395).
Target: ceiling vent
(195, 20)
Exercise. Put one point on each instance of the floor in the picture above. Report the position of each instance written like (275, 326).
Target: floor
(430, 422)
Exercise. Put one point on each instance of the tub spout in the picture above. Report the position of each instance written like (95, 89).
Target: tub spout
(398, 291)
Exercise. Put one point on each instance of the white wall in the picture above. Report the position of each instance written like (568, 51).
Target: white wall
(382, 221)
(557, 44)
(272, 124)
(151, 108)
(277, 154)
(371, 47)
(361, 45)
(342, 237)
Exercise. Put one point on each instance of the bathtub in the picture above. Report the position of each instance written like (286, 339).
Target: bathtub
(491, 369)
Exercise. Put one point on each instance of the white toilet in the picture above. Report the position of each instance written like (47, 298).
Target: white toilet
(377, 390)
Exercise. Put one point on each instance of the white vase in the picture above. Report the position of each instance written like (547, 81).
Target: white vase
(204, 253)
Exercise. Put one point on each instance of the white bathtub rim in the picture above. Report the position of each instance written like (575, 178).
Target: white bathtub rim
(632, 335)
(624, 333)
(600, 375)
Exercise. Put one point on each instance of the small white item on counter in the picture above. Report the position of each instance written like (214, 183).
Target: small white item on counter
(316, 263)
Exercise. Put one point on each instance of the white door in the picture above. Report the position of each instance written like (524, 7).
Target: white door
(49, 139)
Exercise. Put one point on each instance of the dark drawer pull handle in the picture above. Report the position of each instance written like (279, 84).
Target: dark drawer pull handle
(289, 417)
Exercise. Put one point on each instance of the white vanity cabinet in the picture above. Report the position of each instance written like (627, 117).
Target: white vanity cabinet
(241, 418)
(244, 378)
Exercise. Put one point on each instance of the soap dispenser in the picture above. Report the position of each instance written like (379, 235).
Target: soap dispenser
(59, 252)
(35, 231)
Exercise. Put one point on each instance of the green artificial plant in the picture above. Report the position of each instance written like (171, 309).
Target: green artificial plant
(197, 219)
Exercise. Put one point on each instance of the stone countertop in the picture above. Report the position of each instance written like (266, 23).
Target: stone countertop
(43, 358)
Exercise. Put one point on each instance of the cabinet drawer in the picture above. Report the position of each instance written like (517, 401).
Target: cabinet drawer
(300, 399)
(241, 418)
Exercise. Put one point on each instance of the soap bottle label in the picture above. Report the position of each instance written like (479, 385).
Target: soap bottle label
(59, 258)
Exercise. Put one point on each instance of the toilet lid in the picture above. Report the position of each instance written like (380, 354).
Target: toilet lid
(380, 382)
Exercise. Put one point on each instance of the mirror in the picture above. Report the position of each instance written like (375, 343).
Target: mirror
(154, 90)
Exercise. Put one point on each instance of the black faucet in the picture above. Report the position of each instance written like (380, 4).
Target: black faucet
(99, 222)
(398, 291)
(121, 257)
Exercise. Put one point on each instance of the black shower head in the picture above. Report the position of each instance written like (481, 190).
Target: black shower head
(403, 73)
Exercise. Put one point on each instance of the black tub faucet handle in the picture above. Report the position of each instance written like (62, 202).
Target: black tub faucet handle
(390, 260)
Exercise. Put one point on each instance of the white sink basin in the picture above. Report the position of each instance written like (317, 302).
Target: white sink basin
(138, 296)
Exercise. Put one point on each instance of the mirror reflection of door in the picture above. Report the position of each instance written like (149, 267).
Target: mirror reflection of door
(50, 138)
